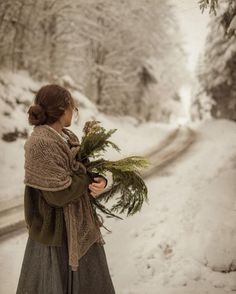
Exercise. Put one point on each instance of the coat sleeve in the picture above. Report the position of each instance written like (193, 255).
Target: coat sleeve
(77, 189)
(92, 175)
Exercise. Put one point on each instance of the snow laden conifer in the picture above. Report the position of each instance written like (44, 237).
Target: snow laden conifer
(217, 74)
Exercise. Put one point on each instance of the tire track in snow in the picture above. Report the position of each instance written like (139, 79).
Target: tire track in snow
(169, 150)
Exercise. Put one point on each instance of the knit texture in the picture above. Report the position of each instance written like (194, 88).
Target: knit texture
(50, 162)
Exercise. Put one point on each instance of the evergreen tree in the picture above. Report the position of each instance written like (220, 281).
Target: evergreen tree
(218, 76)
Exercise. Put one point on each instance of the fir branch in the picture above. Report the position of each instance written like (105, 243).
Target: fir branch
(95, 140)
(127, 181)
(103, 208)
(212, 4)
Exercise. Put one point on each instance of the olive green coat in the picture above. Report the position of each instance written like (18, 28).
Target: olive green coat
(44, 209)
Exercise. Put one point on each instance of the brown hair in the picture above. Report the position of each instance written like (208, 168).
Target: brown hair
(49, 104)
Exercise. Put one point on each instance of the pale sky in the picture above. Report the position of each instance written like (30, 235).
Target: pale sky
(193, 24)
(194, 27)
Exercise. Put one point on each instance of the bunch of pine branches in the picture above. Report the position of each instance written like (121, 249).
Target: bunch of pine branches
(128, 185)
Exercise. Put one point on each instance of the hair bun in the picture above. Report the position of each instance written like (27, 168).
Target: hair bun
(37, 114)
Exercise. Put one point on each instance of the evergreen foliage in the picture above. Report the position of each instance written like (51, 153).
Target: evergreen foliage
(128, 185)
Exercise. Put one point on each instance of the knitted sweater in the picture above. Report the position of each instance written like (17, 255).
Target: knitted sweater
(44, 209)
(50, 164)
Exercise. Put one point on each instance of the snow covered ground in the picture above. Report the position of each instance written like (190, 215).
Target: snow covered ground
(184, 240)
(186, 236)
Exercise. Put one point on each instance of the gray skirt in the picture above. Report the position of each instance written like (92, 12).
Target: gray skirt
(45, 270)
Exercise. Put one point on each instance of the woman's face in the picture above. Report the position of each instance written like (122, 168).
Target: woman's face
(67, 116)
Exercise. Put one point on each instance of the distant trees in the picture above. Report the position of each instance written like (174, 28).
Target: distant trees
(122, 37)
(105, 46)
(31, 32)
(217, 74)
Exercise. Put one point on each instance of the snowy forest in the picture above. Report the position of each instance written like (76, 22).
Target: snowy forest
(106, 48)
(163, 74)
(126, 56)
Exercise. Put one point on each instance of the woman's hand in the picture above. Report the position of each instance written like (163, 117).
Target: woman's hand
(98, 186)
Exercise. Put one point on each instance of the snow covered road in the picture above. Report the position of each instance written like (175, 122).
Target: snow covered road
(183, 240)
(169, 149)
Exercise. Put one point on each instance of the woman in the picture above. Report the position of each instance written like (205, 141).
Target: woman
(64, 253)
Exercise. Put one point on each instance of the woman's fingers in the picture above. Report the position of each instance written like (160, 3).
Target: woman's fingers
(93, 188)
(97, 187)
(94, 194)
(100, 182)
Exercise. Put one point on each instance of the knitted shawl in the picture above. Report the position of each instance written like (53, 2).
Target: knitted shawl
(49, 164)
